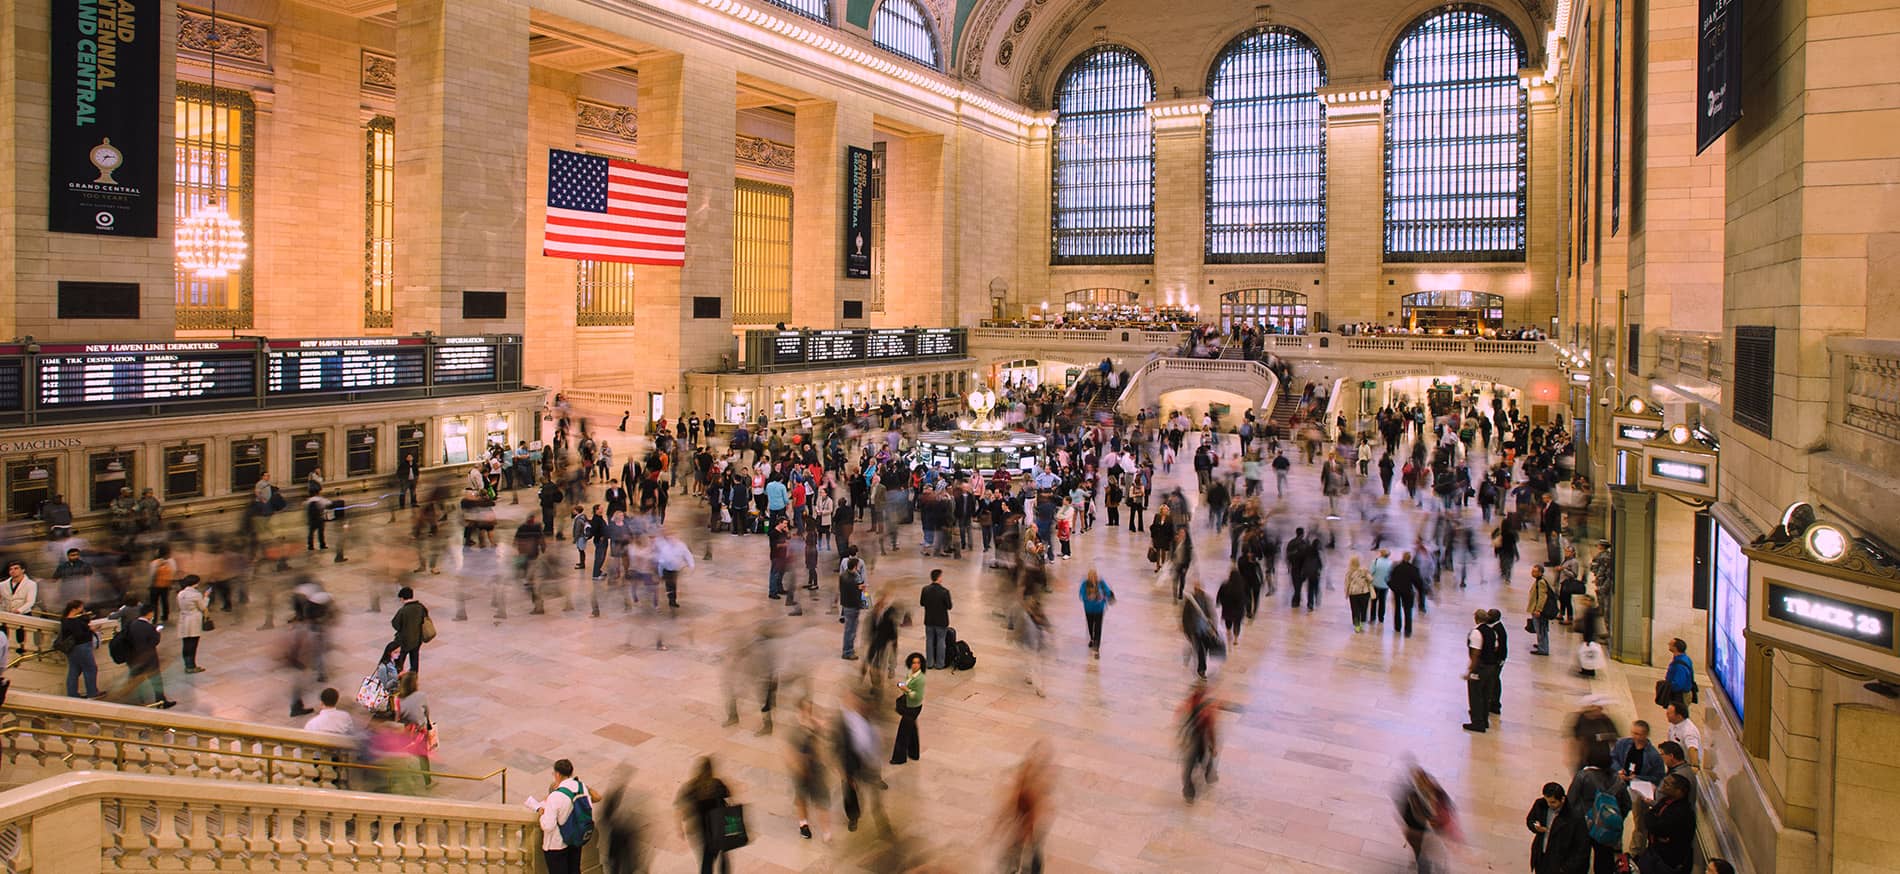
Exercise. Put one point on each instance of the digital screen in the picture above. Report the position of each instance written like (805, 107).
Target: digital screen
(834, 346)
(1637, 433)
(937, 342)
(12, 385)
(890, 344)
(354, 364)
(465, 359)
(788, 347)
(1680, 471)
(1728, 617)
(119, 374)
(1831, 616)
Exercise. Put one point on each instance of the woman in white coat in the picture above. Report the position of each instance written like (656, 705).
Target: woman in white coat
(191, 619)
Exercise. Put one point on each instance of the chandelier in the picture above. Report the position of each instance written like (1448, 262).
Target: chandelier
(209, 243)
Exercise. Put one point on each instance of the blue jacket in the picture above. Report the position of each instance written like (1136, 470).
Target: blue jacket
(1681, 674)
(1098, 605)
(1647, 764)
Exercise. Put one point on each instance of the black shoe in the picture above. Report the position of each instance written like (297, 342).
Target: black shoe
(300, 710)
(168, 704)
(1474, 728)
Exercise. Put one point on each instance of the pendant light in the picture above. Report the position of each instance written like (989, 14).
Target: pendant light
(209, 243)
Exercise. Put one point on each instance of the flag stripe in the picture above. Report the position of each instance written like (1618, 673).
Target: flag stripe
(609, 210)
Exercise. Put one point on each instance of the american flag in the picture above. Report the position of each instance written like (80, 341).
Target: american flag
(601, 209)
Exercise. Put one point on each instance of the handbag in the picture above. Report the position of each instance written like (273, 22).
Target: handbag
(1530, 625)
(732, 833)
(372, 695)
(206, 624)
(1662, 693)
(428, 629)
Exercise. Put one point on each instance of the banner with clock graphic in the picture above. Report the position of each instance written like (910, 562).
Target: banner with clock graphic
(104, 114)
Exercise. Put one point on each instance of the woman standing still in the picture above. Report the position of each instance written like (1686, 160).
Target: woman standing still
(1359, 592)
(702, 802)
(191, 620)
(1096, 596)
(75, 626)
(909, 704)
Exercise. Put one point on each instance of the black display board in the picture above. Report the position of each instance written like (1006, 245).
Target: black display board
(103, 170)
(1718, 70)
(857, 213)
(774, 350)
(12, 379)
(137, 374)
(352, 364)
(466, 359)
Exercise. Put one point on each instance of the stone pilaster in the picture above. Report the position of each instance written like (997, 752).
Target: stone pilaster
(823, 131)
(1180, 201)
(687, 114)
(1355, 206)
(916, 291)
(461, 160)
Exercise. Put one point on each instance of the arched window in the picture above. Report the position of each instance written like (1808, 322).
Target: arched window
(1455, 140)
(902, 27)
(1104, 166)
(1452, 312)
(816, 10)
(1115, 296)
(1266, 150)
(1280, 310)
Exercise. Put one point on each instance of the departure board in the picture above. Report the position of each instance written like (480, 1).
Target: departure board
(788, 347)
(890, 344)
(12, 379)
(122, 374)
(350, 364)
(466, 359)
(938, 342)
(823, 346)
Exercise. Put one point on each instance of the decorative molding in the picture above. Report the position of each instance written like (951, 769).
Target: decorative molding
(1071, 19)
(239, 43)
(378, 72)
(606, 120)
(761, 152)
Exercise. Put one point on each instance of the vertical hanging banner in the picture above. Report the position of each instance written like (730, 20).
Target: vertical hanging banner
(857, 213)
(1718, 70)
(105, 149)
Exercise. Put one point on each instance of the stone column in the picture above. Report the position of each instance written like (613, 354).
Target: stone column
(915, 292)
(1355, 206)
(461, 161)
(687, 111)
(1031, 282)
(1180, 202)
(822, 132)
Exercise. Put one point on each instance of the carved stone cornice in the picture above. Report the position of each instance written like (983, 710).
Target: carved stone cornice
(761, 152)
(606, 120)
(238, 43)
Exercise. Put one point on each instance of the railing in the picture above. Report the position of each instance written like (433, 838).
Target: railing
(1209, 367)
(40, 632)
(1867, 376)
(50, 731)
(1448, 345)
(1692, 353)
(1080, 335)
(93, 823)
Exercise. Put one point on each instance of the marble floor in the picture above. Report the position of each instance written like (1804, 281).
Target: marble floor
(1324, 720)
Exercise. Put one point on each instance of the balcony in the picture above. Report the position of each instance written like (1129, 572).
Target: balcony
(1694, 354)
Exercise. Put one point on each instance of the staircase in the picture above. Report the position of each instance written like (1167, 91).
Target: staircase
(1284, 407)
(1232, 352)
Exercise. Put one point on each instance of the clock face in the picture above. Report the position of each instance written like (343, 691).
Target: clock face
(105, 156)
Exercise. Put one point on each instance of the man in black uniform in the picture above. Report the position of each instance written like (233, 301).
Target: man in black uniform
(1487, 648)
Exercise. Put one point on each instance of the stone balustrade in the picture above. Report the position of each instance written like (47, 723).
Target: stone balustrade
(44, 733)
(93, 823)
(40, 632)
(1691, 353)
(1867, 373)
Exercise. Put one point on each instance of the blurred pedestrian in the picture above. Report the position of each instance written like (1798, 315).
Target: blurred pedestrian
(910, 703)
(702, 804)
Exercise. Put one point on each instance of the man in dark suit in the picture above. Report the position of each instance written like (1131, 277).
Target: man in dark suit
(141, 660)
(1560, 844)
(408, 473)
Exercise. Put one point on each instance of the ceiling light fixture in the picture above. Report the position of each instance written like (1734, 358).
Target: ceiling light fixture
(209, 243)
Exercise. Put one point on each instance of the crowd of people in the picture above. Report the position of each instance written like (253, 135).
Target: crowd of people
(824, 501)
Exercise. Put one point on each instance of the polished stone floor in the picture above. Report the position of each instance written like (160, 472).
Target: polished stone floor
(1324, 720)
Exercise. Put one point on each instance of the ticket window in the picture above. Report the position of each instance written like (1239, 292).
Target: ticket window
(30, 483)
(359, 456)
(906, 387)
(250, 460)
(108, 473)
(455, 440)
(411, 441)
(498, 432)
(184, 472)
(306, 455)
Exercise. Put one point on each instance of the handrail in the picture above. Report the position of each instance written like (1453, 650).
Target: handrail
(89, 821)
(41, 631)
(119, 758)
(85, 710)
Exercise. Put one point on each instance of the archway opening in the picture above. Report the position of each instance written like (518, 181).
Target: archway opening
(1227, 407)
(1466, 313)
(1273, 310)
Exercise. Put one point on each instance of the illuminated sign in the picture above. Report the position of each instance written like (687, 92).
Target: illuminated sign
(1678, 471)
(1636, 432)
(1857, 623)
(136, 374)
(352, 364)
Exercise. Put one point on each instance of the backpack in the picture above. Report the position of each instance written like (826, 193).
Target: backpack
(961, 658)
(119, 648)
(1606, 820)
(276, 502)
(578, 828)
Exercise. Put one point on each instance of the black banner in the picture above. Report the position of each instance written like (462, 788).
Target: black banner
(1718, 70)
(105, 149)
(857, 213)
